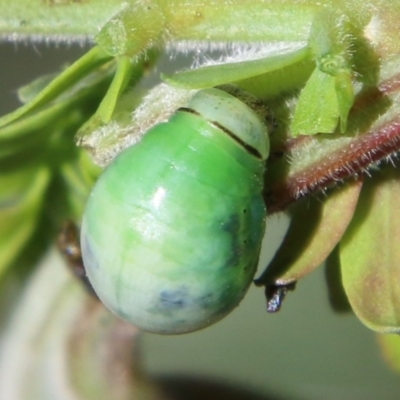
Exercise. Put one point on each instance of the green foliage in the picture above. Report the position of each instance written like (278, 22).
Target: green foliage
(315, 229)
(37, 156)
(332, 85)
(226, 72)
(370, 255)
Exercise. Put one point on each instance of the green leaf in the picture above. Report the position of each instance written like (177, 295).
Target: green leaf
(27, 138)
(370, 253)
(317, 110)
(220, 74)
(328, 95)
(315, 229)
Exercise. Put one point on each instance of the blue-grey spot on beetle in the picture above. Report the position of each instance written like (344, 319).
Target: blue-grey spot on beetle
(173, 299)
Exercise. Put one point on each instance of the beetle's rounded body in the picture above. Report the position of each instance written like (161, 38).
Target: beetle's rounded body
(172, 231)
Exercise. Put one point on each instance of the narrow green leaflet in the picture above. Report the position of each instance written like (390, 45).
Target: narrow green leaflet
(126, 73)
(214, 75)
(77, 71)
(370, 253)
(315, 230)
(34, 148)
(21, 199)
(107, 105)
(32, 132)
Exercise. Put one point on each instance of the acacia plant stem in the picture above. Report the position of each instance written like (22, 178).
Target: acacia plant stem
(350, 161)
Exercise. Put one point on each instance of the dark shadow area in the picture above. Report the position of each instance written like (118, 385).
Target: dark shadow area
(336, 294)
(195, 388)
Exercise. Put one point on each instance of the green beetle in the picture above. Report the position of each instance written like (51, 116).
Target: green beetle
(172, 231)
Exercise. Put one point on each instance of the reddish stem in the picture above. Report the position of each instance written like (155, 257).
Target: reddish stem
(350, 161)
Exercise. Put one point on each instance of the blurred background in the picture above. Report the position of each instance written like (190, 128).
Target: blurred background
(306, 351)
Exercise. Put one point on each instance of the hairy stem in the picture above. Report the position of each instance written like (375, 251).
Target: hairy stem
(350, 157)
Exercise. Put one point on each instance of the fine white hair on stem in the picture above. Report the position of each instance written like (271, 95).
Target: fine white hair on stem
(214, 53)
(163, 100)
